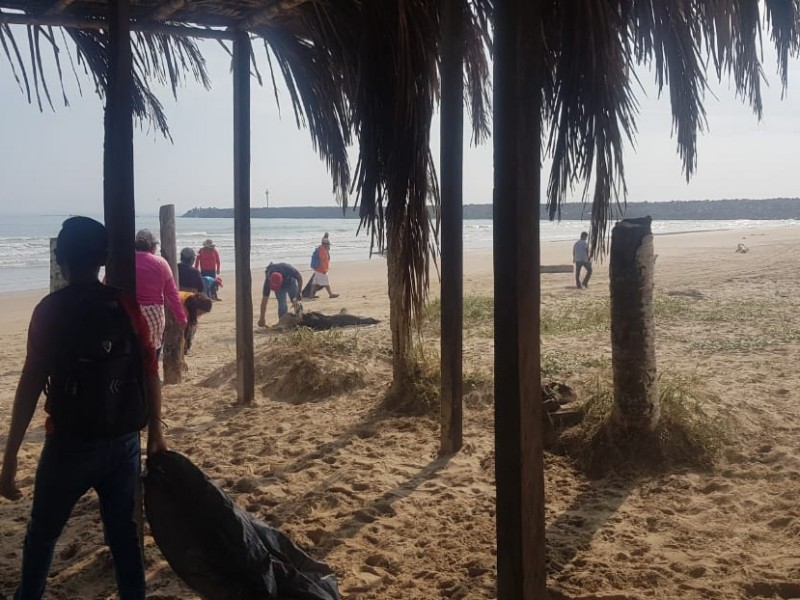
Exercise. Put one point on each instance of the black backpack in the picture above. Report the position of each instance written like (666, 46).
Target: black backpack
(96, 384)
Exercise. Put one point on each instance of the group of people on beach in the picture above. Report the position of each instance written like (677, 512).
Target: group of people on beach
(155, 286)
(93, 352)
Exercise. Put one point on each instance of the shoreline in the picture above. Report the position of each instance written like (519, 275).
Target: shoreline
(349, 267)
(370, 274)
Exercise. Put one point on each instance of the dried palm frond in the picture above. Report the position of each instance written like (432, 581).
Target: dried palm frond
(477, 49)
(315, 50)
(393, 108)
(158, 58)
(591, 51)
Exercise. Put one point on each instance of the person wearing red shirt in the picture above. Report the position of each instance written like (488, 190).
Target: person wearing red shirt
(208, 260)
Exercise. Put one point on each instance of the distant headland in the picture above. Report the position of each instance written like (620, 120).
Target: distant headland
(715, 210)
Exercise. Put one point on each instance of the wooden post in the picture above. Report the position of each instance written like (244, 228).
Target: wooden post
(633, 336)
(118, 194)
(118, 191)
(173, 335)
(451, 168)
(519, 468)
(245, 361)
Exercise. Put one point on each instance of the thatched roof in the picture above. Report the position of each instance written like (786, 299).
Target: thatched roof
(368, 70)
(237, 14)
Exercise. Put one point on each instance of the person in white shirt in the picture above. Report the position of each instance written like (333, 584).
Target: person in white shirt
(580, 256)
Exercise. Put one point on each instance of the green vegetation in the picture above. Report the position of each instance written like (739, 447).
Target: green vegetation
(343, 341)
(558, 364)
(686, 435)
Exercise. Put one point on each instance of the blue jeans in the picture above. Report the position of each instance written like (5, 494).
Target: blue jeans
(67, 470)
(287, 293)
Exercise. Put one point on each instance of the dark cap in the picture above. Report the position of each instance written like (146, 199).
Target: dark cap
(187, 255)
(82, 242)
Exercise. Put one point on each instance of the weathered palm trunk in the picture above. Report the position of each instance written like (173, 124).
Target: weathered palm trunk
(173, 335)
(633, 347)
(399, 316)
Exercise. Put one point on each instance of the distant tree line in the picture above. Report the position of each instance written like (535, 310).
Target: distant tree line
(717, 210)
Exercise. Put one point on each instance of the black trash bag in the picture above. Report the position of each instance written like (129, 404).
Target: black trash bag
(308, 291)
(218, 549)
(321, 322)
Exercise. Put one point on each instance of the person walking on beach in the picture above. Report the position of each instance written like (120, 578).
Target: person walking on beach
(89, 350)
(154, 283)
(189, 278)
(580, 256)
(321, 262)
(286, 282)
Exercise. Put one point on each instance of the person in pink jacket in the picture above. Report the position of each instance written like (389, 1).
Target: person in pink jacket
(154, 284)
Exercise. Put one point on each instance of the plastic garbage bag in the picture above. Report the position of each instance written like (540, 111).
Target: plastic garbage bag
(217, 548)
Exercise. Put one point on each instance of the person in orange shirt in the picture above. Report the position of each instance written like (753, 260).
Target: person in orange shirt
(321, 263)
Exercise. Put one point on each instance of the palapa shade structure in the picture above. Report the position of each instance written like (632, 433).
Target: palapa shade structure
(563, 86)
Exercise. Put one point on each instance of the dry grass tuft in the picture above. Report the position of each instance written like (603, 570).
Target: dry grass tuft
(687, 435)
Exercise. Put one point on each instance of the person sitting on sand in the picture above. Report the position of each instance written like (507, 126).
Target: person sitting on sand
(321, 262)
(580, 256)
(89, 442)
(286, 282)
(189, 278)
(196, 305)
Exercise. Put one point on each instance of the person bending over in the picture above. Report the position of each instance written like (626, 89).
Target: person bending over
(286, 282)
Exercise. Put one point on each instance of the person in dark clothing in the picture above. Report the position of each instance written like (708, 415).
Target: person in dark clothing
(189, 278)
(83, 448)
(286, 282)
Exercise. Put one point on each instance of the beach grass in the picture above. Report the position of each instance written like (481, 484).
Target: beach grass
(687, 433)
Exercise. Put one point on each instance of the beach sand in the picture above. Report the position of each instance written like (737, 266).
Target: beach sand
(365, 491)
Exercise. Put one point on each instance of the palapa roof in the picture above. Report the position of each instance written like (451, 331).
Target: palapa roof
(234, 14)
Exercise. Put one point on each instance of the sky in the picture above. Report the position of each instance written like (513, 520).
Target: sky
(51, 162)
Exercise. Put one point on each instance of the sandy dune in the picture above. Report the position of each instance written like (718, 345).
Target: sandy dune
(365, 491)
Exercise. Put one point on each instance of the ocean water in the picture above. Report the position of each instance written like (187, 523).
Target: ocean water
(25, 245)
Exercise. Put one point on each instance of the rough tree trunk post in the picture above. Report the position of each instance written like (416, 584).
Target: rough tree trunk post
(245, 357)
(173, 336)
(519, 466)
(633, 347)
(399, 317)
(452, 151)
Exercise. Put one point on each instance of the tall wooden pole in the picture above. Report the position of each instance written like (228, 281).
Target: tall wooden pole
(118, 191)
(245, 360)
(118, 198)
(173, 336)
(451, 169)
(519, 469)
